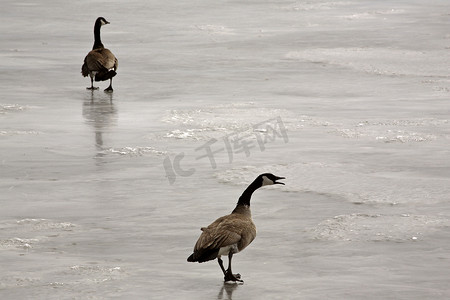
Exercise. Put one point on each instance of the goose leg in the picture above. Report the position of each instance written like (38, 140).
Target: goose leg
(221, 265)
(109, 88)
(92, 85)
(229, 276)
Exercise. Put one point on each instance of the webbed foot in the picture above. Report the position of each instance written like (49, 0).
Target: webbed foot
(233, 277)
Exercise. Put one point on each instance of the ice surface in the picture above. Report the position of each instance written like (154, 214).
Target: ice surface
(103, 195)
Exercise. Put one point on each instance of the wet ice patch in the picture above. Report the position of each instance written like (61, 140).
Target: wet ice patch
(381, 130)
(18, 281)
(389, 136)
(86, 269)
(314, 5)
(304, 121)
(405, 137)
(379, 61)
(70, 278)
(19, 243)
(19, 132)
(402, 131)
(28, 233)
(377, 227)
(222, 120)
(7, 108)
(214, 29)
(240, 175)
(373, 14)
(44, 224)
(133, 151)
(438, 84)
(194, 134)
(93, 274)
(346, 181)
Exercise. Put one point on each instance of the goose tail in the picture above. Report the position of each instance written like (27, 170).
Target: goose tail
(101, 76)
(84, 70)
(191, 258)
(203, 255)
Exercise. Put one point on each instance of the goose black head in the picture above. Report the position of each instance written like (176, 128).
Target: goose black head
(269, 179)
(101, 21)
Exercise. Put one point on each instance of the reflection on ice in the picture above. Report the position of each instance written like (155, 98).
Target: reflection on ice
(99, 112)
(226, 291)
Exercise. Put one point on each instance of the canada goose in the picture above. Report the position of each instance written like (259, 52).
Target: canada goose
(230, 234)
(100, 64)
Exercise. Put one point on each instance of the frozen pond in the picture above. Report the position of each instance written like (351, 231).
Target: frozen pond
(103, 195)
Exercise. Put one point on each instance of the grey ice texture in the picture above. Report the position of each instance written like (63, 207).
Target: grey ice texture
(362, 88)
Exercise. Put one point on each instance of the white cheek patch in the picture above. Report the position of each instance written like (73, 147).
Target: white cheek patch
(266, 181)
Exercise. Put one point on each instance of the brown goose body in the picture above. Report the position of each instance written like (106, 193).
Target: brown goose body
(100, 63)
(232, 233)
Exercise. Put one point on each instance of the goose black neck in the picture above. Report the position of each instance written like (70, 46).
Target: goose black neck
(244, 199)
(97, 40)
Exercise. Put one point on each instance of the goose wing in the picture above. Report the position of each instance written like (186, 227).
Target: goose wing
(99, 60)
(220, 233)
(223, 232)
(233, 229)
(110, 61)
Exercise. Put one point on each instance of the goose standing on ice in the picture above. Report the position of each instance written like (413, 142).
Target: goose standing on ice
(100, 64)
(230, 234)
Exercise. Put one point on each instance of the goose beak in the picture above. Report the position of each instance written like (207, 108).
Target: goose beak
(278, 178)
